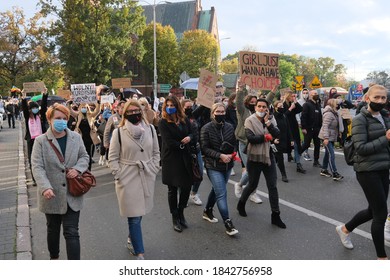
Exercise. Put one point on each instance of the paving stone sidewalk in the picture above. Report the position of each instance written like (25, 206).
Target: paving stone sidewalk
(15, 236)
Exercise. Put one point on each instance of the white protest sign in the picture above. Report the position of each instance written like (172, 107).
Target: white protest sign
(206, 88)
(106, 99)
(83, 93)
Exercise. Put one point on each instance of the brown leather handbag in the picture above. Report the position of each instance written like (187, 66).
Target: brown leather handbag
(80, 184)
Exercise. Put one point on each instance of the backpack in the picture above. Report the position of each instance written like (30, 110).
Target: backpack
(349, 148)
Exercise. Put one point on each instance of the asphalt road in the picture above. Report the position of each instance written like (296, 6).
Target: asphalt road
(311, 206)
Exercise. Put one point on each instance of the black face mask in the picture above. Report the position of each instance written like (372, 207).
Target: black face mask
(219, 118)
(188, 112)
(134, 118)
(376, 107)
(251, 107)
(316, 97)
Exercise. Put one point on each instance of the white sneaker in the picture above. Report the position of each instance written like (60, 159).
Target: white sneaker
(255, 198)
(237, 190)
(107, 163)
(345, 238)
(232, 173)
(195, 199)
(387, 229)
(101, 160)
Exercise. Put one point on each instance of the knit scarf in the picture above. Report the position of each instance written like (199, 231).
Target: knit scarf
(258, 152)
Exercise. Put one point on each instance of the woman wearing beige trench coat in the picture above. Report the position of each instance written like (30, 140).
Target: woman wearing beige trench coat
(134, 158)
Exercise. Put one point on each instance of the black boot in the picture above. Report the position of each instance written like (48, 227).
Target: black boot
(290, 158)
(176, 222)
(275, 219)
(284, 178)
(241, 208)
(183, 221)
(300, 168)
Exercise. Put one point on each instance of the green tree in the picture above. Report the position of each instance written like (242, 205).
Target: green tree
(96, 37)
(287, 73)
(229, 65)
(197, 49)
(26, 53)
(167, 53)
(380, 77)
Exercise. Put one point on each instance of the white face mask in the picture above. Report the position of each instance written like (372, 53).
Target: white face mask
(225, 103)
(260, 114)
(304, 96)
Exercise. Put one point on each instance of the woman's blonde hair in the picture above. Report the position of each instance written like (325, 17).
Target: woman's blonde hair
(214, 108)
(333, 103)
(375, 88)
(57, 107)
(285, 97)
(144, 101)
(135, 103)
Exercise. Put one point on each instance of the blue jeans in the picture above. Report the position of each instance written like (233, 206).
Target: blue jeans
(195, 186)
(135, 234)
(297, 156)
(244, 158)
(329, 153)
(70, 225)
(218, 193)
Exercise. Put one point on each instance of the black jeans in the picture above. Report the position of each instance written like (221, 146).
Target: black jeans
(375, 185)
(312, 134)
(70, 225)
(11, 118)
(254, 171)
(279, 156)
(88, 144)
(184, 194)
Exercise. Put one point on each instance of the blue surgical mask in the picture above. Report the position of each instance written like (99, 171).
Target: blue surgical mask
(170, 111)
(35, 110)
(60, 125)
(83, 110)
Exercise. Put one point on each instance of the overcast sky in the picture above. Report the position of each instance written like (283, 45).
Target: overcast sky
(355, 33)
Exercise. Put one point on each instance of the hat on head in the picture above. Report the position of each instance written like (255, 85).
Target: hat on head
(336, 95)
(33, 104)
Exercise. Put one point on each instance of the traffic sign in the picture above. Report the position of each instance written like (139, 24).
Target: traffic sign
(315, 83)
(299, 79)
(164, 88)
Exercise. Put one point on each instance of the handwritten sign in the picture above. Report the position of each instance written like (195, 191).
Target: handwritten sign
(206, 88)
(121, 83)
(106, 99)
(33, 87)
(65, 93)
(83, 93)
(259, 70)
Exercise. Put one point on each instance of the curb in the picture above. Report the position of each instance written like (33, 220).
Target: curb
(23, 238)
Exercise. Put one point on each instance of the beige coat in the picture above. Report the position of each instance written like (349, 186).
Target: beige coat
(134, 170)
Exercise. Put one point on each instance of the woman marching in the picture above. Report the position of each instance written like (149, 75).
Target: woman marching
(218, 144)
(54, 199)
(134, 158)
(371, 139)
(176, 159)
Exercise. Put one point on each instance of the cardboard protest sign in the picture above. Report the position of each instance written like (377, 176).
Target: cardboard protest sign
(121, 83)
(33, 87)
(259, 70)
(83, 93)
(206, 88)
(65, 93)
(106, 99)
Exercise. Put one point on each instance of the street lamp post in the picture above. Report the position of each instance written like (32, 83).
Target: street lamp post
(216, 54)
(154, 44)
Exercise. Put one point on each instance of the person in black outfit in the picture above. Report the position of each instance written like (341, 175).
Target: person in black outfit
(371, 140)
(231, 111)
(283, 143)
(291, 108)
(10, 108)
(176, 160)
(311, 122)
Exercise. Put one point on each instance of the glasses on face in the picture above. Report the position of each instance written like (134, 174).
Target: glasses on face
(132, 112)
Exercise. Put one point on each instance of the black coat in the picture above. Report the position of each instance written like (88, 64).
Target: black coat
(285, 136)
(175, 159)
(212, 136)
(370, 142)
(292, 120)
(42, 115)
(311, 117)
(231, 116)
